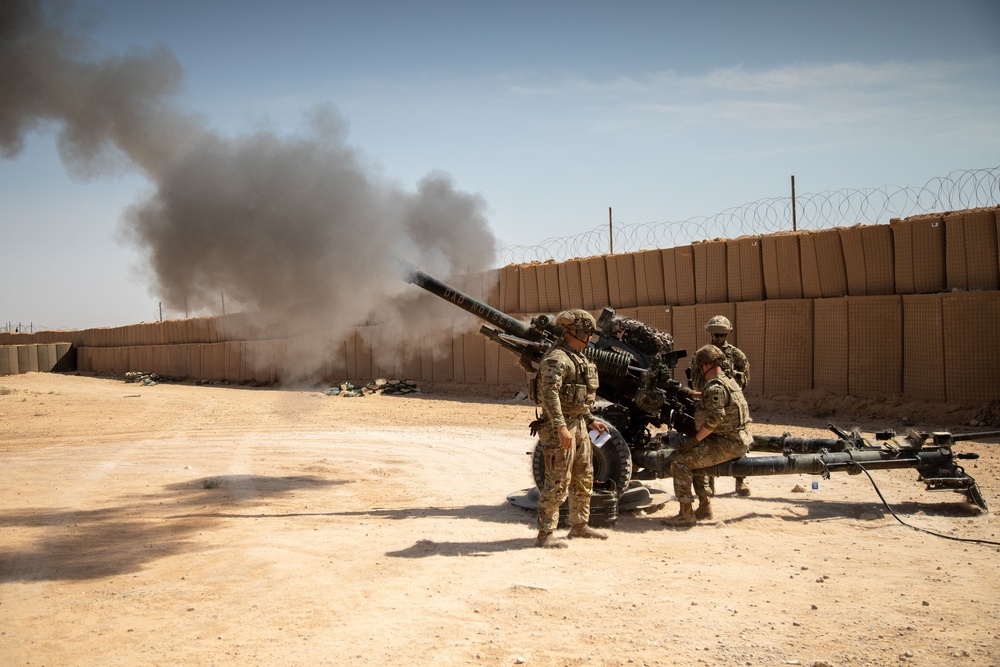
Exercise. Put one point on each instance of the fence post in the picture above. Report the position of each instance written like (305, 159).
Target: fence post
(794, 218)
(611, 233)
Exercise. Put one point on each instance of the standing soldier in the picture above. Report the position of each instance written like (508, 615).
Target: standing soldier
(735, 366)
(566, 388)
(721, 417)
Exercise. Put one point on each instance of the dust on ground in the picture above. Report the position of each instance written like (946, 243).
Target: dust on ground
(178, 524)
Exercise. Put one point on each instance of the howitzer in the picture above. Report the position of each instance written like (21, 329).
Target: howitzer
(634, 360)
(635, 363)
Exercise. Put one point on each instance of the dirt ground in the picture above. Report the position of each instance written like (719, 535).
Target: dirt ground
(178, 524)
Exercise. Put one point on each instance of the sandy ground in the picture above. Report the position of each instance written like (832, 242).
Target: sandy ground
(208, 525)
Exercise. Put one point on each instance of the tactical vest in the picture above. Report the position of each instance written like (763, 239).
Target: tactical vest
(737, 410)
(576, 396)
(729, 366)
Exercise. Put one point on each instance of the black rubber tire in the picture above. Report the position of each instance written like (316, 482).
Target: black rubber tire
(612, 462)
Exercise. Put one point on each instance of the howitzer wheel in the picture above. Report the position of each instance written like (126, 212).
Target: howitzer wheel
(612, 462)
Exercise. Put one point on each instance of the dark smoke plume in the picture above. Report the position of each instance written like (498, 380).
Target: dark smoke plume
(284, 226)
(108, 112)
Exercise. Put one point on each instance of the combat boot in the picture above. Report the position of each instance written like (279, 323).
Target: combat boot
(547, 540)
(704, 510)
(585, 531)
(685, 517)
(741, 487)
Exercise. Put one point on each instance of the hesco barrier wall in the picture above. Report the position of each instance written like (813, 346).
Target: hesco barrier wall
(909, 308)
(37, 357)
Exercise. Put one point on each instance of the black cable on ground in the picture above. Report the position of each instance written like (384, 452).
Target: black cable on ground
(922, 530)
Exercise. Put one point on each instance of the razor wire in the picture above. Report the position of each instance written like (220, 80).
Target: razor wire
(971, 188)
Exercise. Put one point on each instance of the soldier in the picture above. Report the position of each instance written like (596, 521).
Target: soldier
(566, 389)
(736, 366)
(721, 416)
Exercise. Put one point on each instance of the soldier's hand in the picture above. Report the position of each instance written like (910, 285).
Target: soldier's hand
(565, 437)
(600, 427)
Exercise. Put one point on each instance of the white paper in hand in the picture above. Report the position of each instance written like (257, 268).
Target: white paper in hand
(599, 438)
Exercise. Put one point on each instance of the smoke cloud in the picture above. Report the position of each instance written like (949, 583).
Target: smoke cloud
(294, 227)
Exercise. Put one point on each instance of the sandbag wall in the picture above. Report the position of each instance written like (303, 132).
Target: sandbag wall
(908, 308)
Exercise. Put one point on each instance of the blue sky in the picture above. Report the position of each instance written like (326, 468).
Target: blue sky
(550, 112)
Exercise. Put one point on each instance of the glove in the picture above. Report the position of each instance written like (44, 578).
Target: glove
(536, 425)
(687, 392)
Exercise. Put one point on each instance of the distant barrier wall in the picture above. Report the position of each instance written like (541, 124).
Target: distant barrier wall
(37, 357)
(868, 311)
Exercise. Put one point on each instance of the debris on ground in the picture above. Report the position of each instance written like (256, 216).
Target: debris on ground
(347, 389)
(398, 387)
(142, 377)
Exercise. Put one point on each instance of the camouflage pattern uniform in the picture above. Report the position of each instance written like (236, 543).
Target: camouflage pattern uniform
(735, 366)
(724, 410)
(567, 389)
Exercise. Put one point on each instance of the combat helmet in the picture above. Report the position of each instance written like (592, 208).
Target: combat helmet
(708, 354)
(580, 323)
(718, 325)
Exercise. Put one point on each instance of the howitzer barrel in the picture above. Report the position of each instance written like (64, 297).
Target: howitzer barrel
(467, 303)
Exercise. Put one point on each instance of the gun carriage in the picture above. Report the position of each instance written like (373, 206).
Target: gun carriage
(649, 413)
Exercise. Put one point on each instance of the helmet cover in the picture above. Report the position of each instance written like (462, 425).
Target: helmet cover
(718, 325)
(709, 354)
(580, 323)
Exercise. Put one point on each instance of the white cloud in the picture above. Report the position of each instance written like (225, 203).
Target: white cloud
(831, 96)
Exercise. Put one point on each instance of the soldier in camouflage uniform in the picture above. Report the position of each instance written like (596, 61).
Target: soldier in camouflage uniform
(721, 417)
(566, 388)
(735, 366)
